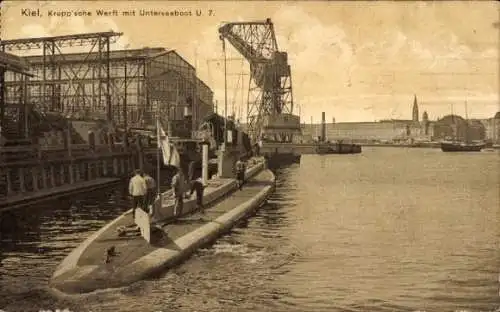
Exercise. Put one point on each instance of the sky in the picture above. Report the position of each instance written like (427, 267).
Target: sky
(357, 61)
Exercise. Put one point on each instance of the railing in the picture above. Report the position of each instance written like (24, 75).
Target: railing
(25, 169)
(16, 155)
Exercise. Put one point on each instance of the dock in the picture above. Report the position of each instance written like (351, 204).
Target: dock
(33, 174)
(85, 270)
(22, 200)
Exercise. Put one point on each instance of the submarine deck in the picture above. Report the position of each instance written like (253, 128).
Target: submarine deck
(131, 248)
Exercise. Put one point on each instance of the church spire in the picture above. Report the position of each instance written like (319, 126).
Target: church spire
(415, 116)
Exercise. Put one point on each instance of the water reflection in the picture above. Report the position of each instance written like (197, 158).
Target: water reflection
(388, 230)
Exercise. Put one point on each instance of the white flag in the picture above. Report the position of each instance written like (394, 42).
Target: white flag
(171, 156)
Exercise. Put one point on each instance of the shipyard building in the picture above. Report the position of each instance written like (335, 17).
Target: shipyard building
(126, 88)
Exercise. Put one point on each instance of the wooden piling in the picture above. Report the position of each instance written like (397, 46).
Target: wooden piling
(77, 172)
(22, 180)
(122, 167)
(115, 166)
(63, 174)
(44, 177)
(52, 176)
(9, 181)
(105, 167)
(97, 168)
(129, 163)
(89, 170)
(71, 173)
(35, 176)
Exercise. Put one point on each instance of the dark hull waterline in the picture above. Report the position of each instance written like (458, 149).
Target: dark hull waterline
(460, 147)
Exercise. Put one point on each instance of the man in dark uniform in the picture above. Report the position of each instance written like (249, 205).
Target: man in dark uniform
(240, 172)
(178, 188)
(197, 186)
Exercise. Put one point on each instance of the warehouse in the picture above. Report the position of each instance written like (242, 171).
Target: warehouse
(127, 87)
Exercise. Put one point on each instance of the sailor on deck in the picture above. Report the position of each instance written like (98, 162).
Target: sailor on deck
(197, 186)
(179, 191)
(151, 185)
(240, 172)
(137, 189)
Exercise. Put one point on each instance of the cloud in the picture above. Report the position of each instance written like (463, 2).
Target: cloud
(438, 56)
(108, 24)
(339, 56)
(400, 40)
(75, 25)
(209, 46)
(308, 41)
(489, 54)
(372, 106)
(34, 30)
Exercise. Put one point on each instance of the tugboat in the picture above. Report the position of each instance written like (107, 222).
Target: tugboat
(324, 147)
(339, 147)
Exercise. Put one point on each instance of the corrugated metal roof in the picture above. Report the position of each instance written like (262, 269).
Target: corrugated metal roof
(13, 63)
(113, 55)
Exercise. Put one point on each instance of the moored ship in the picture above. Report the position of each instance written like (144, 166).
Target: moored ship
(456, 146)
(465, 145)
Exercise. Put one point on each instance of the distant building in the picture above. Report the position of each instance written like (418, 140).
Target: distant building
(425, 123)
(492, 128)
(456, 127)
(393, 130)
(415, 109)
(384, 130)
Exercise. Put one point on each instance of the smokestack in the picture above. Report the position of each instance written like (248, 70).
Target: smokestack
(323, 127)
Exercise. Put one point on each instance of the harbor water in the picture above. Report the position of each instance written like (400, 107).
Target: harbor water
(391, 229)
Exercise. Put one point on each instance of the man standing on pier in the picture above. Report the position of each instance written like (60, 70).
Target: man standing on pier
(137, 189)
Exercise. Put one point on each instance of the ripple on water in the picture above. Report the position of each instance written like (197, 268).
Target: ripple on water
(387, 230)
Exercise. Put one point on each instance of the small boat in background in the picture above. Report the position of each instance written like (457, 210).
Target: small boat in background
(467, 145)
(454, 146)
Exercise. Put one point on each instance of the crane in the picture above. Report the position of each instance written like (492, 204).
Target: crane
(270, 98)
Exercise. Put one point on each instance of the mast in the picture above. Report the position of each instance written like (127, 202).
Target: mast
(466, 111)
(453, 125)
(194, 103)
(225, 90)
(466, 124)
(242, 98)
(158, 155)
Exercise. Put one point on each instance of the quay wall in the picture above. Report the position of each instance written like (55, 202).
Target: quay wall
(36, 169)
(363, 131)
(398, 130)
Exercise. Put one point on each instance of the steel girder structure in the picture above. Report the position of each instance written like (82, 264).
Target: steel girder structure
(61, 83)
(270, 84)
(171, 81)
(128, 90)
(126, 81)
(205, 101)
(11, 64)
(173, 88)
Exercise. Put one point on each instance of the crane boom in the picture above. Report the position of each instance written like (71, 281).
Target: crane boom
(254, 40)
(270, 90)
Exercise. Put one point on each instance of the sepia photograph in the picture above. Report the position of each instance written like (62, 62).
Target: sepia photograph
(274, 156)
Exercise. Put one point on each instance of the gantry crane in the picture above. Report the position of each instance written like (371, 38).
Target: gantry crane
(270, 99)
